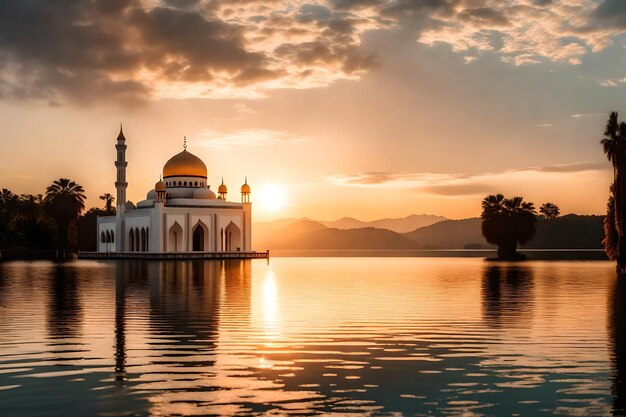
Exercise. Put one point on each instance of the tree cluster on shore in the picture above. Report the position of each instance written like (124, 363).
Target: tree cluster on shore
(49, 221)
(509, 222)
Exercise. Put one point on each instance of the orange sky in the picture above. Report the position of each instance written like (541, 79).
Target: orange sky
(349, 110)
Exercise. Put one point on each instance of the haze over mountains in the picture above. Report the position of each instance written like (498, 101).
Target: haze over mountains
(567, 232)
(399, 225)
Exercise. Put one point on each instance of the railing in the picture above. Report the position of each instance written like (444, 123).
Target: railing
(174, 255)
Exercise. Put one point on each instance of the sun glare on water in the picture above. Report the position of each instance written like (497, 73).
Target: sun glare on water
(272, 197)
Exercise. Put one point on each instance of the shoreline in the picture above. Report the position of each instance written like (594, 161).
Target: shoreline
(487, 254)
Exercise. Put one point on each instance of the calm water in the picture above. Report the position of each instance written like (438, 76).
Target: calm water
(379, 336)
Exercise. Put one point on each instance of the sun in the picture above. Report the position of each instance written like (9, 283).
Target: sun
(272, 197)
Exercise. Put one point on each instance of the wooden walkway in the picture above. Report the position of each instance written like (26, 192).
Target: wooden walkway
(174, 255)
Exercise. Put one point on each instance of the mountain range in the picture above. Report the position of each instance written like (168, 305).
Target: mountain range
(567, 232)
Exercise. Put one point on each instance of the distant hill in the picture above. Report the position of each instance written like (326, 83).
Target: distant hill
(400, 225)
(449, 234)
(307, 234)
(567, 232)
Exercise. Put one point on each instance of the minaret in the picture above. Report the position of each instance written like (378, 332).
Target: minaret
(120, 185)
(247, 216)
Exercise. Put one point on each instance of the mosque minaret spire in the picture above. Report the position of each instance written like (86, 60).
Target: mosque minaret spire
(120, 185)
(121, 165)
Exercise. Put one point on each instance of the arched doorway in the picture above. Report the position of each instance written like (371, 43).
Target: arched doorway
(200, 237)
(143, 239)
(175, 238)
(131, 240)
(232, 238)
(137, 240)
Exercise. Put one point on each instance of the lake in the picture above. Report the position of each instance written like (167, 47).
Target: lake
(303, 336)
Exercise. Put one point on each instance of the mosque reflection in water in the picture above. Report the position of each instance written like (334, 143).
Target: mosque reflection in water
(234, 337)
(184, 305)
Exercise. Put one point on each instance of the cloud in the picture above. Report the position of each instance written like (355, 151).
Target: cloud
(458, 184)
(587, 115)
(528, 32)
(246, 138)
(608, 83)
(94, 50)
(571, 168)
(91, 50)
(612, 83)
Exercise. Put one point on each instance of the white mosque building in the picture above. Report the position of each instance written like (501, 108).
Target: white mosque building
(180, 215)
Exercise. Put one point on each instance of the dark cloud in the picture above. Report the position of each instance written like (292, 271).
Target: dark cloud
(313, 13)
(612, 12)
(354, 4)
(181, 4)
(484, 16)
(410, 8)
(95, 49)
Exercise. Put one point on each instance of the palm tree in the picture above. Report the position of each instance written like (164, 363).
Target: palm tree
(7, 198)
(610, 233)
(508, 222)
(614, 147)
(65, 200)
(10, 236)
(108, 202)
(550, 211)
(30, 208)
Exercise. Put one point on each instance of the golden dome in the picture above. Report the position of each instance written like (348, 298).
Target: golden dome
(184, 164)
(159, 186)
(245, 188)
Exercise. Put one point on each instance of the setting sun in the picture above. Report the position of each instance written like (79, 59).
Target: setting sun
(272, 197)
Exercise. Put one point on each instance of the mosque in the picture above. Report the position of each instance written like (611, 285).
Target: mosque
(180, 215)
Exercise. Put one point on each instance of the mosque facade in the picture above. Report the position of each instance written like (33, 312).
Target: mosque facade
(181, 214)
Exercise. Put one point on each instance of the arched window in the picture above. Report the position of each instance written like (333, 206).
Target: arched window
(175, 238)
(112, 236)
(108, 237)
(232, 240)
(102, 237)
(185, 183)
(180, 183)
(196, 183)
(137, 240)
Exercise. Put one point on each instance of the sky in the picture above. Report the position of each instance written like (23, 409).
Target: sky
(368, 109)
